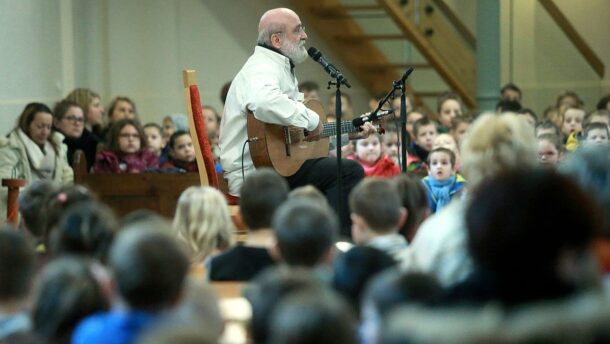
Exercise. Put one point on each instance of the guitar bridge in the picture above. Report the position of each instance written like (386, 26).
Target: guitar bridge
(287, 140)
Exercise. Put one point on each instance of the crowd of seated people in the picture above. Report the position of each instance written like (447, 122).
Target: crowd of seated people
(502, 234)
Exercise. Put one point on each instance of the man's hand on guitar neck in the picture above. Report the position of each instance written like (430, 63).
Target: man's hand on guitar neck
(367, 129)
(314, 134)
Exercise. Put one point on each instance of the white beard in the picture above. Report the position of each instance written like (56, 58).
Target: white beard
(295, 52)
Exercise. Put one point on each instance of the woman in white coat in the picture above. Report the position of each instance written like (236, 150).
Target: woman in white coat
(33, 151)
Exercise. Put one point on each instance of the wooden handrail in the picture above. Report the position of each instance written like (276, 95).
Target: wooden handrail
(411, 31)
(568, 29)
(457, 23)
(358, 38)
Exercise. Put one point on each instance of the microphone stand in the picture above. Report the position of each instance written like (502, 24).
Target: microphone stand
(399, 85)
(337, 84)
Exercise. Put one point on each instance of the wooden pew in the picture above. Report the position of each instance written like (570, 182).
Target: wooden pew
(127, 192)
(158, 192)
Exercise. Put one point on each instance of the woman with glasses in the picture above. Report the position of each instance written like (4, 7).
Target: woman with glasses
(69, 119)
(125, 151)
(33, 151)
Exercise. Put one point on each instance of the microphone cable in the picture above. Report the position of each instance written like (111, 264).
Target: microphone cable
(243, 151)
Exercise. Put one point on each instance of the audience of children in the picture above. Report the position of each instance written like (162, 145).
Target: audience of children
(469, 245)
(202, 223)
(425, 131)
(459, 126)
(125, 152)
(449, 106)
(414, 199)
(442, 183)
(549, 150)
(371, 156)
(494, 143)
(377, 216)
(261, 194)
(181, 152)
(596, 133)
(154, 138)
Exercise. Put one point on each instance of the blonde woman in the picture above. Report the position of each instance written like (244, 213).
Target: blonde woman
(202, 223)
(492, 145)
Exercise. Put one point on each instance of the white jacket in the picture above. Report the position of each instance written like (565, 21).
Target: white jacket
(266, 86)
(14, 157)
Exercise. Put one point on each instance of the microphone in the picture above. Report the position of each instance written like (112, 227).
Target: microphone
(316, 55)
(406, 75)
(371, 117)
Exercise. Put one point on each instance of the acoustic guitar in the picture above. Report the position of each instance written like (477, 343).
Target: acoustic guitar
(284, 148)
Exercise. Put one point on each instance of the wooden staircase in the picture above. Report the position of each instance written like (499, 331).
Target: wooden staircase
(438, 35)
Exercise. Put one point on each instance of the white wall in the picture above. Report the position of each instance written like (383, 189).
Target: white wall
(136, 48)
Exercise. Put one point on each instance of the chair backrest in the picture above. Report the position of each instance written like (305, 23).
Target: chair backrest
(203, 149)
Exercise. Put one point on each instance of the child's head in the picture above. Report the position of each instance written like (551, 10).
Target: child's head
(121, 108)
(305, 232)
(459, 125)
(547, 127)
(441, 164)
(445, 141)
(604, 103)
(549, 150)
(181, 147)
(390, 144)
(212, 119)
(425, 131)
(202, 222)
(85, 229)
(414, 200)
(568, 99)
(262, 192)
(449, 106)
(596, 134)
(368, 150)
(174, 122)
(530, 116)
(376, 209)
(148, 266)
(597, 116)
(32, 206)
(346, 105)
(572, 120)
(91, 104)
(154, 137)
(308, 192)
(413, 117)
(126, 137)
(507, 106)
(510, 91)
(552, 114)
(17, 266)
(67, 293)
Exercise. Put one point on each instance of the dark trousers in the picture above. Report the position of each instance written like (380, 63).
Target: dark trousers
(322, 173)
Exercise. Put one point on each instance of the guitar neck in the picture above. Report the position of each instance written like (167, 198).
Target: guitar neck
(330, 129)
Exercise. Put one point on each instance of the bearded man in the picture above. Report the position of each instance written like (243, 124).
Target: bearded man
(267, 86)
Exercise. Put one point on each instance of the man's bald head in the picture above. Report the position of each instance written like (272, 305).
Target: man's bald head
(275, 21)
(276, 16)
(281, 28)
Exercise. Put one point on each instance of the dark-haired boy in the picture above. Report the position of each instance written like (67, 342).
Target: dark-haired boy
(17, 265)
(377, 214)
(262, 192)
